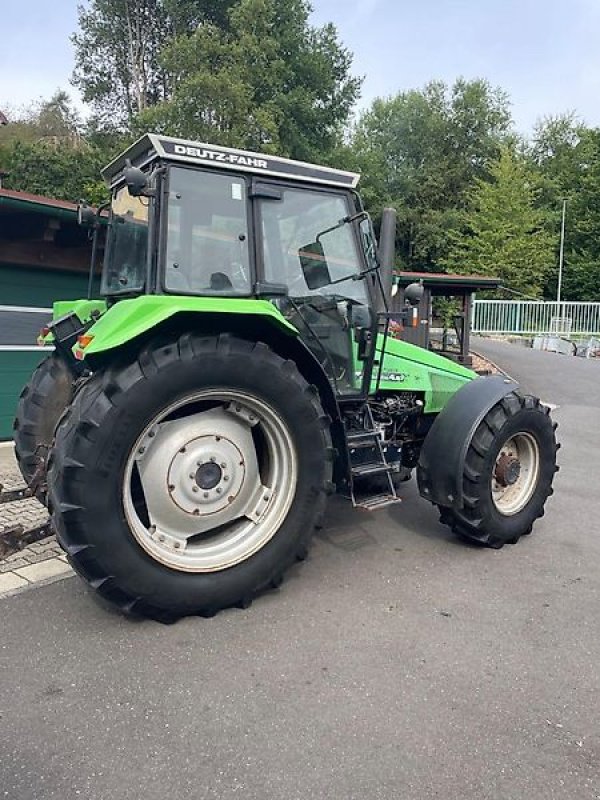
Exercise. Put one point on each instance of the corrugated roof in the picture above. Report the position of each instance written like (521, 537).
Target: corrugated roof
(442, 278)
(37, 199)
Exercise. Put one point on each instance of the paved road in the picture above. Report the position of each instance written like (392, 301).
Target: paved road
(396, 663)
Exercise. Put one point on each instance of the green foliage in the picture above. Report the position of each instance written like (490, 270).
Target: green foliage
(118, 49)
(502, 232)
(421, 151)
(64, 172)
(54, 118)
(268, 82)
(566, 157)
(581, 275)
(249, 73)
(43, 152)
(470, 195)
(116, 52)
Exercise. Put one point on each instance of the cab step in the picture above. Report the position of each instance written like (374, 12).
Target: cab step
(371, 468)
(376, 502)
(358, 438)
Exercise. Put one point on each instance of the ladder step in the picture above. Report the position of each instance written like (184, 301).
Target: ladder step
(362, 436)
(378, 468)
(377, 501)
(362, 444)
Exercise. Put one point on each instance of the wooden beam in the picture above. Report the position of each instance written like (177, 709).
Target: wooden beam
(45, 255)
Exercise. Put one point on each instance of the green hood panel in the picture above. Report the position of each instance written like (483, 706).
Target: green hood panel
(129, 318)
(407, 367)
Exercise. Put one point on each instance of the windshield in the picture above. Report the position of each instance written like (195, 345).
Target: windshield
(127, 244)
(291, 224)
(207, 241)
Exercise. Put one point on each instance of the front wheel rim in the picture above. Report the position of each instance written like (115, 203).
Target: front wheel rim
(210, 481)
(516, 473)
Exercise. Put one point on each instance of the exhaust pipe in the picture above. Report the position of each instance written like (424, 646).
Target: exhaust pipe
(387, 254)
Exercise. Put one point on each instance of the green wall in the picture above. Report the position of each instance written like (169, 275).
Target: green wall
(23, 286)
(15, 370)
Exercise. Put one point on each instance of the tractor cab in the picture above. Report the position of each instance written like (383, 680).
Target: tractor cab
(198, 220)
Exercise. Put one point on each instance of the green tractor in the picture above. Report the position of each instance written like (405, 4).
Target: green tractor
(188, 427)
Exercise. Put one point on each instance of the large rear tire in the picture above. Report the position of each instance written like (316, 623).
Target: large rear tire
(41, 404)
(508, 473)
(190, 479)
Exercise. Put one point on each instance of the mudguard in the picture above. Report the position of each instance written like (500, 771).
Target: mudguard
(442, 458)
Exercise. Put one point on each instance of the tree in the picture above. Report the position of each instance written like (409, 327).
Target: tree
(43, 152)
(270, 82)
(581, 275)
(116, 52)
(118, 48)
(53, 118)
(566, 156)
(421, 151)
(502, 232)
(64, 172)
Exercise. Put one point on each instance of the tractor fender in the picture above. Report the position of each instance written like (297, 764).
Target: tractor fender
(442, 457)
(128, 319)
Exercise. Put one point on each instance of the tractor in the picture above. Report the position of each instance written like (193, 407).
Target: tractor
(240, 367)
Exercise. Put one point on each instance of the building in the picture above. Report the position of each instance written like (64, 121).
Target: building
(44, 256)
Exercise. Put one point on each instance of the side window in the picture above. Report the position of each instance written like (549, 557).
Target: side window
(207, 241)
(296, 220)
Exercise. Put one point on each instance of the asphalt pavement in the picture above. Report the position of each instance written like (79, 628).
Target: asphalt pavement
(396, 663)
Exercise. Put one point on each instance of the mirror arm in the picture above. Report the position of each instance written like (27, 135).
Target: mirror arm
(343, 221)
(358, 276)
(96, 229)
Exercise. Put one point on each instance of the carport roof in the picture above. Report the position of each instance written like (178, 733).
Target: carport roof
(445, 282)
(9, 198)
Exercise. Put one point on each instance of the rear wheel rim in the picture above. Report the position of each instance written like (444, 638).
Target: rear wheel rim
(516, 473)
(210, 481)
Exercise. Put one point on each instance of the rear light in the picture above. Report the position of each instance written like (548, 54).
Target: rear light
(84, 340)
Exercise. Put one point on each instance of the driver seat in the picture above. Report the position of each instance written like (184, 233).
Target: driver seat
(219, 282)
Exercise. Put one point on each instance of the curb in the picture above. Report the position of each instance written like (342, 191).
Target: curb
(61, 568)
(494, 365)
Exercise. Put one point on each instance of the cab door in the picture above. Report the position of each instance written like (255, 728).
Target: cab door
(327, 318)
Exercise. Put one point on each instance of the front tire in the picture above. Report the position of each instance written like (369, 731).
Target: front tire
(508, 473)
(190, 479)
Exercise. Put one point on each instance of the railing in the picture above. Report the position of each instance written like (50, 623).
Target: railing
(522, 317)
(20, 326)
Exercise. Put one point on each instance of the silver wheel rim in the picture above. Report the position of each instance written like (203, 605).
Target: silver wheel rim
(516, 473)
(206, 490)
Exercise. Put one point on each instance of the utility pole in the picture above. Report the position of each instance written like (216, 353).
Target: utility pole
(561, 256)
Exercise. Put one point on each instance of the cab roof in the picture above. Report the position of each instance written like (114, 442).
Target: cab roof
(153, 146)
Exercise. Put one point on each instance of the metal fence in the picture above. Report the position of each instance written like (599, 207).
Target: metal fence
(536, 317)
(20, 326)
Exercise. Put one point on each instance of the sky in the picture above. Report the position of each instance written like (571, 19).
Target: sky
(544, 53)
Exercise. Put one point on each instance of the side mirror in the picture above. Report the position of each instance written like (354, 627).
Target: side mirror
(136, 180)
(86, 216)
(314, 265)
(413, 294)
